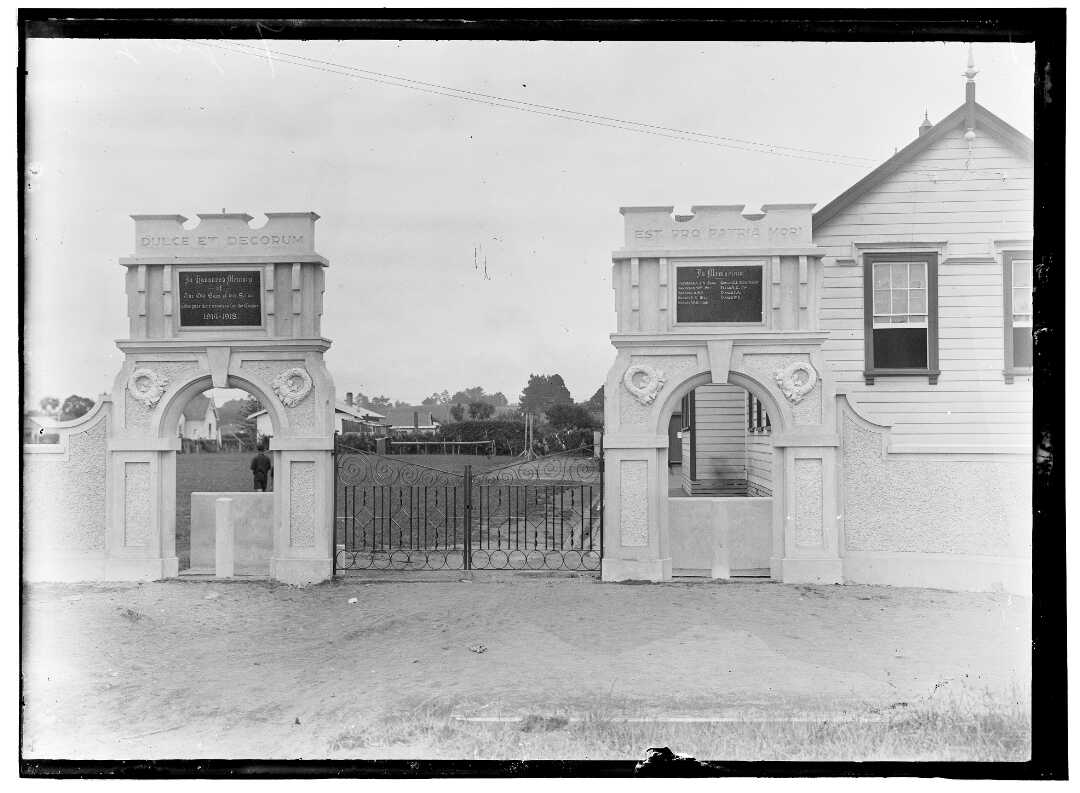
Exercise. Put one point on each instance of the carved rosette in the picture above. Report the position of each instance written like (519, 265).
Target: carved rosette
(292, 385)
(644, 382)
(796, 380)
(147, 386)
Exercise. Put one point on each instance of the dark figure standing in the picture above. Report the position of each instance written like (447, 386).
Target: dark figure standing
(261, 468)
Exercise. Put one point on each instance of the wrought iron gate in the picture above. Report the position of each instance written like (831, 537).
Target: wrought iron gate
(392, 514)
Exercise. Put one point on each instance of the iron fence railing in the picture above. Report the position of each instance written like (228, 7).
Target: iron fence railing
(543, 513)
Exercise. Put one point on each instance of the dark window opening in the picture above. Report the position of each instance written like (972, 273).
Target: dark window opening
(900, 315)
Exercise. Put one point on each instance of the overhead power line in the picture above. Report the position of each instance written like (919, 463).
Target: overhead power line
(611, 122)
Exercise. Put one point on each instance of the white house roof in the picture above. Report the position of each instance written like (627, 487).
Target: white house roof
(195, 410)
(340, 407)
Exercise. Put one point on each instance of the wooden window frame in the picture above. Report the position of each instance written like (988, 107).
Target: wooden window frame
(689, 418)
(1011, 371)
(931, 370)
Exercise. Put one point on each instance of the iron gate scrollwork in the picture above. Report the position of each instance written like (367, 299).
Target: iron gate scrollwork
(540, 514)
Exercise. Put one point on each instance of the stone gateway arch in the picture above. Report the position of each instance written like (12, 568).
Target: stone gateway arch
(718, 298)
(219, 305)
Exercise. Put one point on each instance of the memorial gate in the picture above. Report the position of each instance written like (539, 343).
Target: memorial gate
(714, 298)
(220, 305)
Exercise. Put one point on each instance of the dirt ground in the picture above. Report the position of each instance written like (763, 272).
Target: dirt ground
(254, 669)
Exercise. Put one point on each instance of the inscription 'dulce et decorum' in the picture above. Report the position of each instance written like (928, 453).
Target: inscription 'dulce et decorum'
(220, 298)
(216, 241)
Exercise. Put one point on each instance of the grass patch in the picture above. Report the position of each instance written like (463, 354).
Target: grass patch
(205, 472)
(959, 727)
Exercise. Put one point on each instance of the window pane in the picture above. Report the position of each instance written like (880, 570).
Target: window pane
(881, 301)
(897, 319)
(917, 301)
(881, 276)
(1022, 272)
(918, 275)
(1022, 347)
(900, 348)
(917, 319)
(899, 274)
(1021, 301)
(899, 301)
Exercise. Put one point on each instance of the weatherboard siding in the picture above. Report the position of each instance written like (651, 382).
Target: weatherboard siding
(721, 432)
(971, 406)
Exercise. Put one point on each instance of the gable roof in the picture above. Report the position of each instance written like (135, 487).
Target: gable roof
(195, 409)
(984, 120)
(356, 411)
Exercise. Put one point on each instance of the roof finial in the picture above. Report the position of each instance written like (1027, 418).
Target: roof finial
(971, 71)
(925, 126)
(969, 93)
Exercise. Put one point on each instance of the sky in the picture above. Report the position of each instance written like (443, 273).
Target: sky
(416, 189)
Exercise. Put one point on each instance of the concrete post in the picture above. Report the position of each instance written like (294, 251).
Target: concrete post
(224, 551)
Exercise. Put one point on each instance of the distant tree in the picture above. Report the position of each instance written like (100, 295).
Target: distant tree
(563, 417)
(399, 404)
(479, 411)
(512, 415)
(457, 412)
(362, 400)
(75, 406)
(544, 391)
(251, 405)
(474, 394)
(498, 399)
(596, 401)
(380, 403)
(49, 405)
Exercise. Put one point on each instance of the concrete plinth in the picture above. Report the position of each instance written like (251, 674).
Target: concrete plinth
(635, 570)
(302, 572)
(812, 571)
(224, 552)
(253, 531)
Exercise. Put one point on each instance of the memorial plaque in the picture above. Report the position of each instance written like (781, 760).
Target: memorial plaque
(718, 293)
(220, 297)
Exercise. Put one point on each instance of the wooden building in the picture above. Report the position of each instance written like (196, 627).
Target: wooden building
(925, 291)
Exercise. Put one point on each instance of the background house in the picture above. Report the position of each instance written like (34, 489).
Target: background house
(422, 419)
(347, 418)
(199, 421)
(39, 428)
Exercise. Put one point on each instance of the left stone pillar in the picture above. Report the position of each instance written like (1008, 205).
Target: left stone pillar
(141, 541)
(635, 511)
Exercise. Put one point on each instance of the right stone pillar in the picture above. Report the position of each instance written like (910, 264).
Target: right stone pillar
(809, 544)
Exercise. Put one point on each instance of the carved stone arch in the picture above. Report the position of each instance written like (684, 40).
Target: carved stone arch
(175, 401)
(780, 418)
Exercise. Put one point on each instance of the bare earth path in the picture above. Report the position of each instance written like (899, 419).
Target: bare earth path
(224, 669)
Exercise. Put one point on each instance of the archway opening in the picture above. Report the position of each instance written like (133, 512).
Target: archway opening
(722, 475)
(220, 432)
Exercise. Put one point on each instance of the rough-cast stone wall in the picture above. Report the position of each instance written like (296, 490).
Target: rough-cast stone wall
(925, 505)
(634, 507)
(64, 496)
(302, 503)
